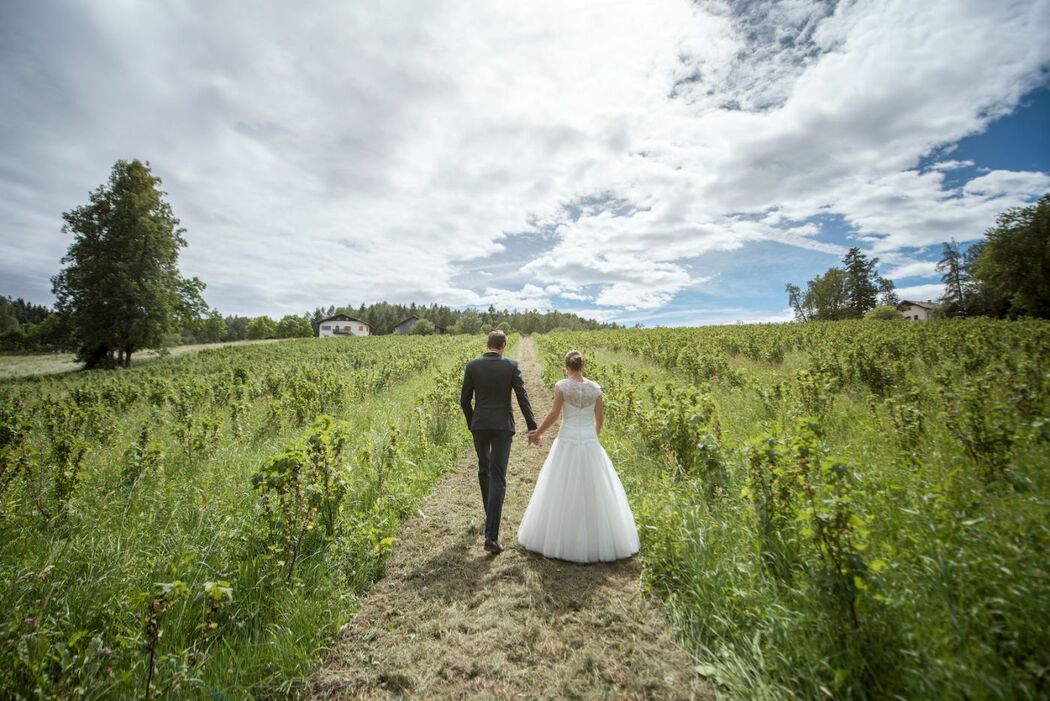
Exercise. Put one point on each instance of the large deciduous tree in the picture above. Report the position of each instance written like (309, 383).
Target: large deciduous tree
(121, 289)
(827, 296)
(1011, 267)
(212, 327)
(260, 327)
(292, 326)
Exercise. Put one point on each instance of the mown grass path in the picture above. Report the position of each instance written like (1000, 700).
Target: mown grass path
(450, 621)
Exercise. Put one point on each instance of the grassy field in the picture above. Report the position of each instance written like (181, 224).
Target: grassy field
(202, 524)
(828, 510)
(14, 366)
(844, 510)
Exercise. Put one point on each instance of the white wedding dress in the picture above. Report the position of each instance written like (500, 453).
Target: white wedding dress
(579, 510)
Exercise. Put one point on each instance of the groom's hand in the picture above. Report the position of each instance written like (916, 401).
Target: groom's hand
(534, 438)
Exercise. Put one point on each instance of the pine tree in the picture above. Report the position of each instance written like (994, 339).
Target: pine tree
(862, 283)
(953, 275)
(795, 300)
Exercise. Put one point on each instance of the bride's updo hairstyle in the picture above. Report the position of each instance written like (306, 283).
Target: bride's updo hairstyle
(574, 360)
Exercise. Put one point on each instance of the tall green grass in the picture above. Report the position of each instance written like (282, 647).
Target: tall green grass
(162, 545)
(942, 473)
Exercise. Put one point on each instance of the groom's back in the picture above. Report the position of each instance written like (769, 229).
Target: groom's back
(492, 379)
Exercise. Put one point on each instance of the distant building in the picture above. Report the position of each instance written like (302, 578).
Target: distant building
(405, 326)
(343, 325)
(916, 311)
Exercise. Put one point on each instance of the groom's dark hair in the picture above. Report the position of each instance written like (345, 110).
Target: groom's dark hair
(497, 340)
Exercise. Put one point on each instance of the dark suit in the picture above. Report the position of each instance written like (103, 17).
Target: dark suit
(489, 381)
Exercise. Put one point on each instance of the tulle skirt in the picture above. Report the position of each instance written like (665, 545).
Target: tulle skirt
(579, 510)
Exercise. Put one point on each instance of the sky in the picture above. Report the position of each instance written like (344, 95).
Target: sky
(657, 163)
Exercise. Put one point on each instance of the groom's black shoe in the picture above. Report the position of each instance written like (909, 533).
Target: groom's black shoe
(493, 546)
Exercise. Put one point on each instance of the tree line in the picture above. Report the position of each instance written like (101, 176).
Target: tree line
(1006, 274)
(851, 292)
(120, 290)
(383, 317)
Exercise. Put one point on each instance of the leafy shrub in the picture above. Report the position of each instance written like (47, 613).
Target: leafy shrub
(885, 312)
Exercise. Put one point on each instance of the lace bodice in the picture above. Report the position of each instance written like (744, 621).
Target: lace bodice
(578, 408)
(579, 393)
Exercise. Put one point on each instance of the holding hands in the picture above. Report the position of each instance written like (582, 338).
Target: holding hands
(535, 438)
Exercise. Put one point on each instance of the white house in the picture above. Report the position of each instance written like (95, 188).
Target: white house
(916, 311)
(343, 325)
(405, 326)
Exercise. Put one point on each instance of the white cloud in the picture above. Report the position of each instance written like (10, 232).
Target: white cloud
(367, 151)
(1005, 183)
(528, 297)
(921, 293)
(951, 165)
(914, 209)
(916, 268)
(575, 296)
(720, 316)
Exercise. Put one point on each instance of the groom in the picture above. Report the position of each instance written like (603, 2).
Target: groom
(489, 381)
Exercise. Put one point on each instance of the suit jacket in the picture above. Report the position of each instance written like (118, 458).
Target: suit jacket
(489, 380)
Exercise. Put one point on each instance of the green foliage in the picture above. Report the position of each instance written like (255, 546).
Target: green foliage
(1013, 263)
(14, 430)
(848, 292)
(142, 456)
(1005, 274)
(159, 604)
(884, 496)
(884, 312)
(291, 326)
(952, 267)
(828, 297)
(423, 327)
(28, 327)
(110, 484)
(984, 422)
(384, 317)
(121, 288)
(777, 478)
(259, 328)
(684, 421)
(304, 487)
(862, 282)
(212, 328)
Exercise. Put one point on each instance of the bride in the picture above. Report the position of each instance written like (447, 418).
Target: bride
(579, 511)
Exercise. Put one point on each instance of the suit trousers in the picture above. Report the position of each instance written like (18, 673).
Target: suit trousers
(493, 449)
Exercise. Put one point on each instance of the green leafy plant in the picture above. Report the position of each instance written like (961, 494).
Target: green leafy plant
(303, 486)
(159, 603)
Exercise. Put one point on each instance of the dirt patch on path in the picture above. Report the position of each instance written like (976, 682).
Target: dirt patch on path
(450, 621)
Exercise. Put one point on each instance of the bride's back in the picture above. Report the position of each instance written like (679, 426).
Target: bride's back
(578, 407)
